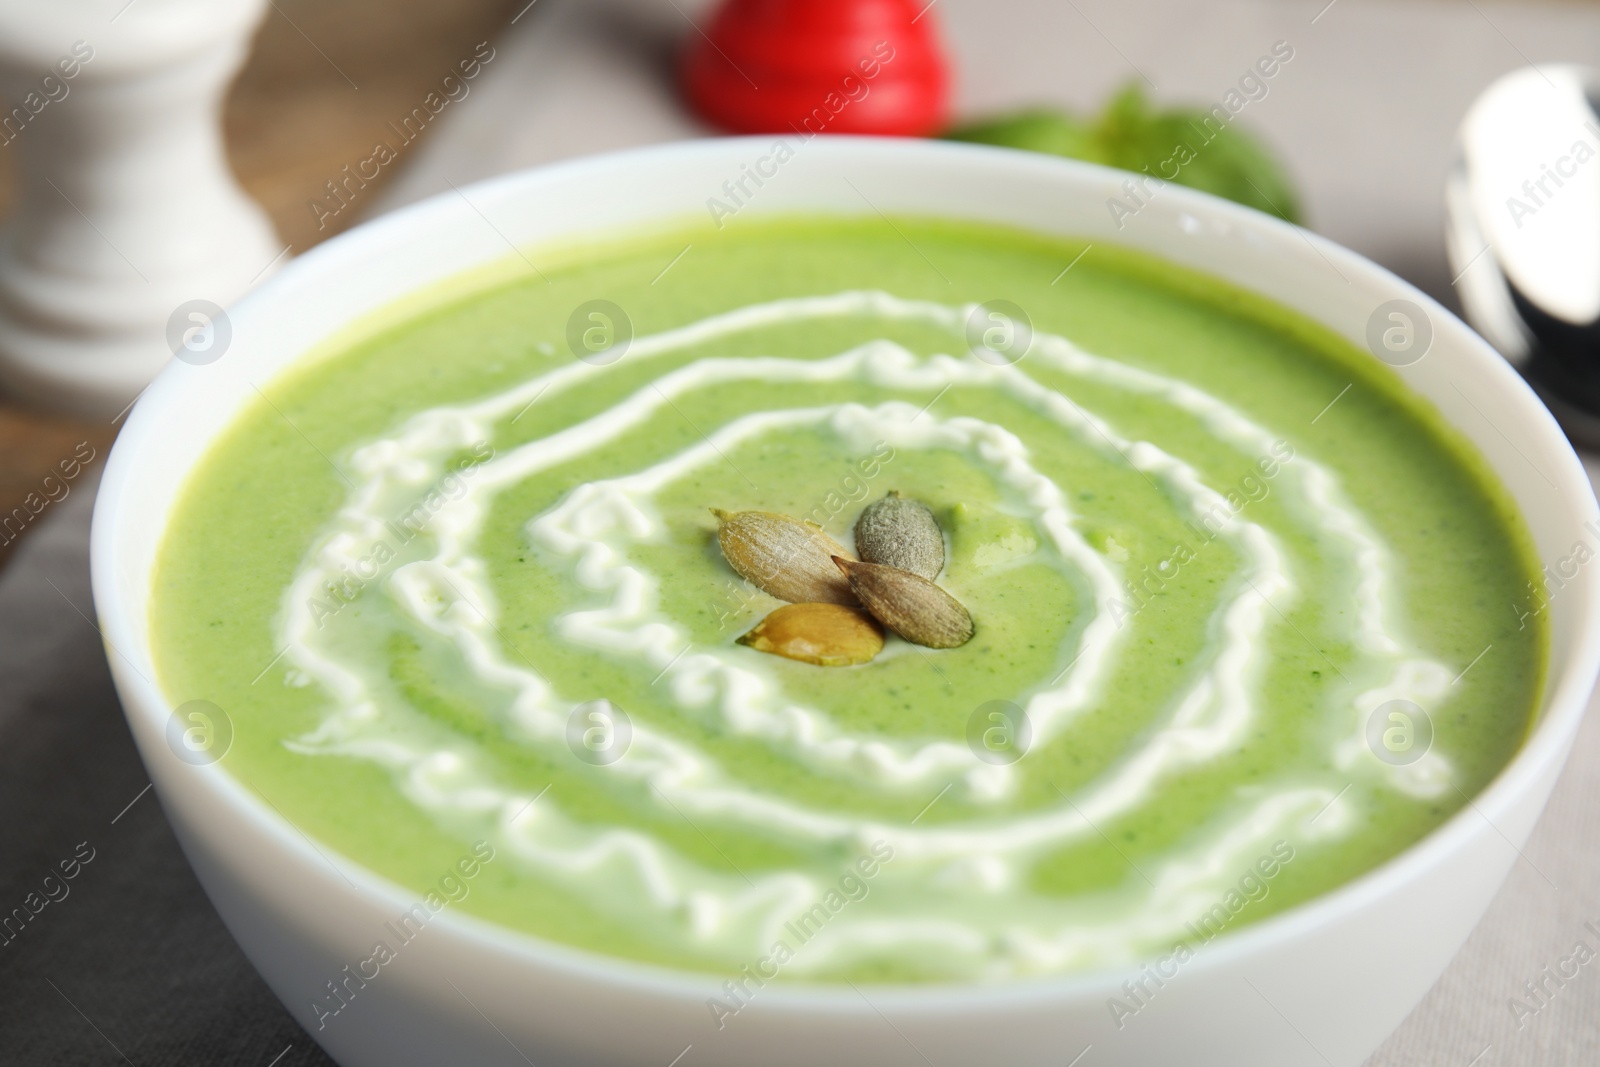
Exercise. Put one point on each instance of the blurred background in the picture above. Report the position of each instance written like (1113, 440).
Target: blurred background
(1353, 132)
(1359, 124)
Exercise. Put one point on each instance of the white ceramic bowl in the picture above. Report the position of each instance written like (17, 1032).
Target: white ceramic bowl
(1321, 984)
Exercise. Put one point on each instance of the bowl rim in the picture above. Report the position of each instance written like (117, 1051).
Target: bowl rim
(1542, 752)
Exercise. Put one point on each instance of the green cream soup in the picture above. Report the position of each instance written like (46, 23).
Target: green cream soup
(1240, 603)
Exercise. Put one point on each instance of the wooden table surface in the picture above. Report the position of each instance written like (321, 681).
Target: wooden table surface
(317, 93)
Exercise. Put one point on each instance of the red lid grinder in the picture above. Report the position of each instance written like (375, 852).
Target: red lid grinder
(819, 66)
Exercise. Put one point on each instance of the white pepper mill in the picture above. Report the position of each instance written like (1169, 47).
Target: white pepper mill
(125, 210)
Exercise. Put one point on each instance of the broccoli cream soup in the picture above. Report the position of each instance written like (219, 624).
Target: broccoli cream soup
(1199, 612)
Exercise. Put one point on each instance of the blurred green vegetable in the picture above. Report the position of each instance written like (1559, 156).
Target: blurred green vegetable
(1187, 145)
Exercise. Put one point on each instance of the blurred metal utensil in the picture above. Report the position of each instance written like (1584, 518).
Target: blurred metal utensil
(1523, 234)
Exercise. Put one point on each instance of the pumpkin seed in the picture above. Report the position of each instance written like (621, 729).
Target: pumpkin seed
(829, 635)
(783, 556)
(898, 531)
(908, 604)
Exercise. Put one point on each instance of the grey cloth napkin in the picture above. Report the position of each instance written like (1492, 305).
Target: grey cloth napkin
(121, 958)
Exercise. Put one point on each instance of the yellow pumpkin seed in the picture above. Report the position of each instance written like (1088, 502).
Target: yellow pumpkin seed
(829, 635)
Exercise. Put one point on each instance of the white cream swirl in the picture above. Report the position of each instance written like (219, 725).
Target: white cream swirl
(938, 897)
